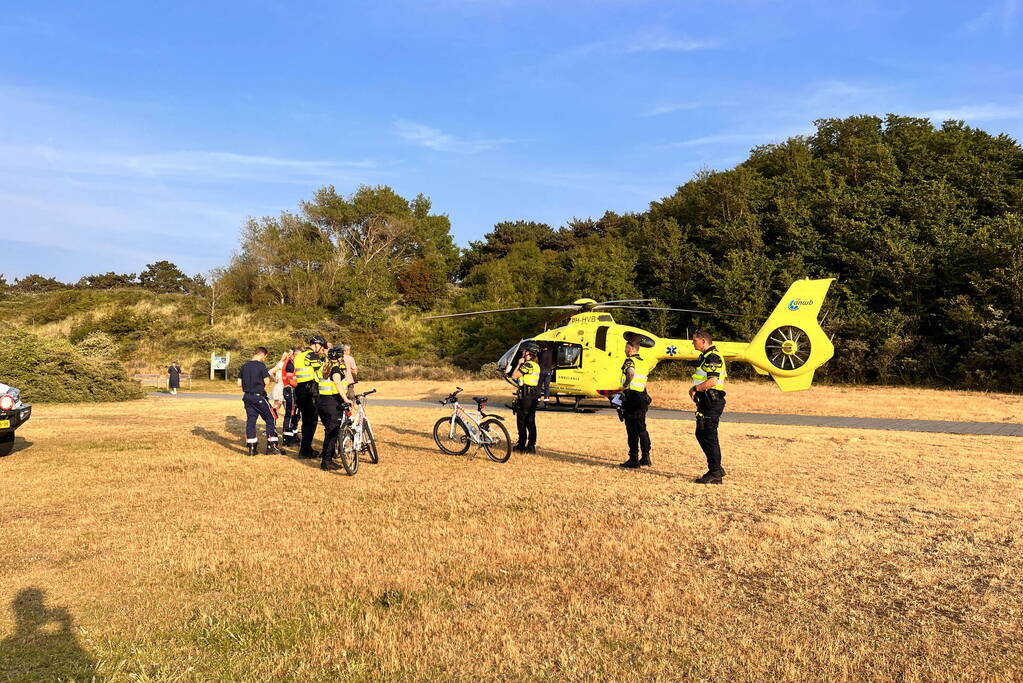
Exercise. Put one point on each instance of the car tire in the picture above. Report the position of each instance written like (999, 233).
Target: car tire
(6, 444)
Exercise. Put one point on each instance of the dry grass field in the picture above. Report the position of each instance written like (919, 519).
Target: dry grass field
(139, 543)
(751, 397)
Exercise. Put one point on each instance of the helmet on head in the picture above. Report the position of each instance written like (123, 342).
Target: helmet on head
(335, 353)
(532, 347)
(317, 339)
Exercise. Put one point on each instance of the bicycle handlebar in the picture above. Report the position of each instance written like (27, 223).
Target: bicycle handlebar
(452, 397)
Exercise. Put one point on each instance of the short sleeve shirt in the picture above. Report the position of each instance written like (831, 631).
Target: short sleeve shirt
(711, 361)
(253, 373)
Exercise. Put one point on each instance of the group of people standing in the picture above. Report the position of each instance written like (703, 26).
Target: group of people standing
(314, 383)
(707, 393)
(310, 384)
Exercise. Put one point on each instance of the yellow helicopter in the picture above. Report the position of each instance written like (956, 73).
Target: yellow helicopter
(590, 348)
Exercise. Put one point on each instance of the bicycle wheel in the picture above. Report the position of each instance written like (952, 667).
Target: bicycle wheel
(347, 454)
(368, 442)
(496, 441)
(456, 444)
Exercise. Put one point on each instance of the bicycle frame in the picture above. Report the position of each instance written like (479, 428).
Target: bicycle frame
(357, 419)
(472, 421)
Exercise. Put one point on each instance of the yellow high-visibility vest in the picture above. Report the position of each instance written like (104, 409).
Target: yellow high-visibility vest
(710, 361)
(307, 365)
(326, 384)
(638, 381)
(530, 374)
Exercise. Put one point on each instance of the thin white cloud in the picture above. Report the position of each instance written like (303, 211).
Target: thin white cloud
(1000, 16)
(835, 90)
(641, 43)
(432, 138)
(194, 165)
(671, 108)
(978, 112)
(665, 44)
(762, 138)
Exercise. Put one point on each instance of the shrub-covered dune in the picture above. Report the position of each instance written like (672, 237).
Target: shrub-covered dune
(54, 371)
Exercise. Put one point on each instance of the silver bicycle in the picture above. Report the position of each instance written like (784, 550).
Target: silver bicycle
(455, 434)
(356, 436)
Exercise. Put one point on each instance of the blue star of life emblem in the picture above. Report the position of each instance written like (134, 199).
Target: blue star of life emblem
(671, 350)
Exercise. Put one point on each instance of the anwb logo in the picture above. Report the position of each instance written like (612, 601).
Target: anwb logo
(796, 303)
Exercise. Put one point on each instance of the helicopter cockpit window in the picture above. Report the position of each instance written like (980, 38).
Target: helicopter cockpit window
(509, 357)
(644, 341)
(569, 356)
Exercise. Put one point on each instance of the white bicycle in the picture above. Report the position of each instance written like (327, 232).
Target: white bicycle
(455, 434)
(356, 436)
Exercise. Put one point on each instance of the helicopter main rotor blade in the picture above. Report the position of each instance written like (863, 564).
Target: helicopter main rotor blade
(679, 310)
(502, 310)
(623, 301)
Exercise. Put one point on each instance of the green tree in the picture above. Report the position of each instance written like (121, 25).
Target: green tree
(35, 283)
(110, 280)
(165, 277)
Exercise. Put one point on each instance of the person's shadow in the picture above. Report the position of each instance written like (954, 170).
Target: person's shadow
(235, 443)
(43, 645)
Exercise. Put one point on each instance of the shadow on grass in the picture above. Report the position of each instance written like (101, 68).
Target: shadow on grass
(408, 432)
(19, 443)
(406, 447)
(43, 645)
(582, 459)
(234, 441)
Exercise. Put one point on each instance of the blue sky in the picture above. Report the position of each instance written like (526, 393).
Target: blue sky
(132, 132)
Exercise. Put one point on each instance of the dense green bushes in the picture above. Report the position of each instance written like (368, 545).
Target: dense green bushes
(54, 371)
(921, 226)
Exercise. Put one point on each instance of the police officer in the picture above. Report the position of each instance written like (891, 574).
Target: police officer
(330, 405)
(527, 376)
(307, 366)
(255, 381)
(708, 393)
(635, 401)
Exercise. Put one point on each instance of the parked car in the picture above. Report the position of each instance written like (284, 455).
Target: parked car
(13, 414)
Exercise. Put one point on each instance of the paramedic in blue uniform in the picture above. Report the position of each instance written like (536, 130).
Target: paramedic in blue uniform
(255, 381)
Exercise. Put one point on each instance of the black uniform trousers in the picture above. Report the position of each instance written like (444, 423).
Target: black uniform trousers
(634, 407)
(525, 417)
(290, 412)
(709, 406)
(257, 406)
(329, 410)
(306, 394)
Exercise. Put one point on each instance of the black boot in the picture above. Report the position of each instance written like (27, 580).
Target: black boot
(273, 447)
(328, 465)
(519, 448)
(530, 449)
(632, 463)
(645, 460)
(253, 447)
(710, 478)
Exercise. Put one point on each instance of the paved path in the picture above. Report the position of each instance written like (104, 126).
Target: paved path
(936, 426)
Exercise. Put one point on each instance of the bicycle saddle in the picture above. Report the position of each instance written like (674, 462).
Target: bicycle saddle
(480, 399)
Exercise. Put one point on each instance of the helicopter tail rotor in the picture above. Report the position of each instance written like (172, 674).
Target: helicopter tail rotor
(791, 345)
